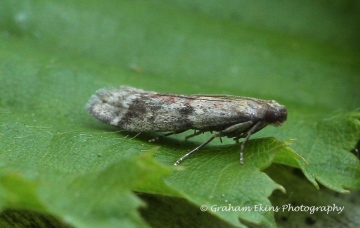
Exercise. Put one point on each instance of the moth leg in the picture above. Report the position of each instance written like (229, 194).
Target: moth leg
(165, 135)
(248, 134)
(241, 127)
(196, 149)
(194, 134)
(235, 127)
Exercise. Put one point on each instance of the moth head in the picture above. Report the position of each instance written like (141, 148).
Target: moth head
(276, 115)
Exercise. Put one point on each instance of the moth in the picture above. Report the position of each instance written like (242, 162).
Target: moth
(137, 110)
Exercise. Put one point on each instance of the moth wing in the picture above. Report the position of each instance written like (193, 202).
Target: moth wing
(225, 97)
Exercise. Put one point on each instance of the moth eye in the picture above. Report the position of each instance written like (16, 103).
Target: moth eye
(283, 115)
(276, 116)
(271, 116)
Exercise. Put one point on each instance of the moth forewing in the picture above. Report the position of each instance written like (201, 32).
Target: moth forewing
(229, 116)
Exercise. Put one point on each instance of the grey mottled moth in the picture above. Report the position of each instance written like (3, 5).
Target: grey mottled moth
(138, 110)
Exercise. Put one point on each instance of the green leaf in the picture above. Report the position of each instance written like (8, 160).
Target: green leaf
(58, 161)
(325, 145)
